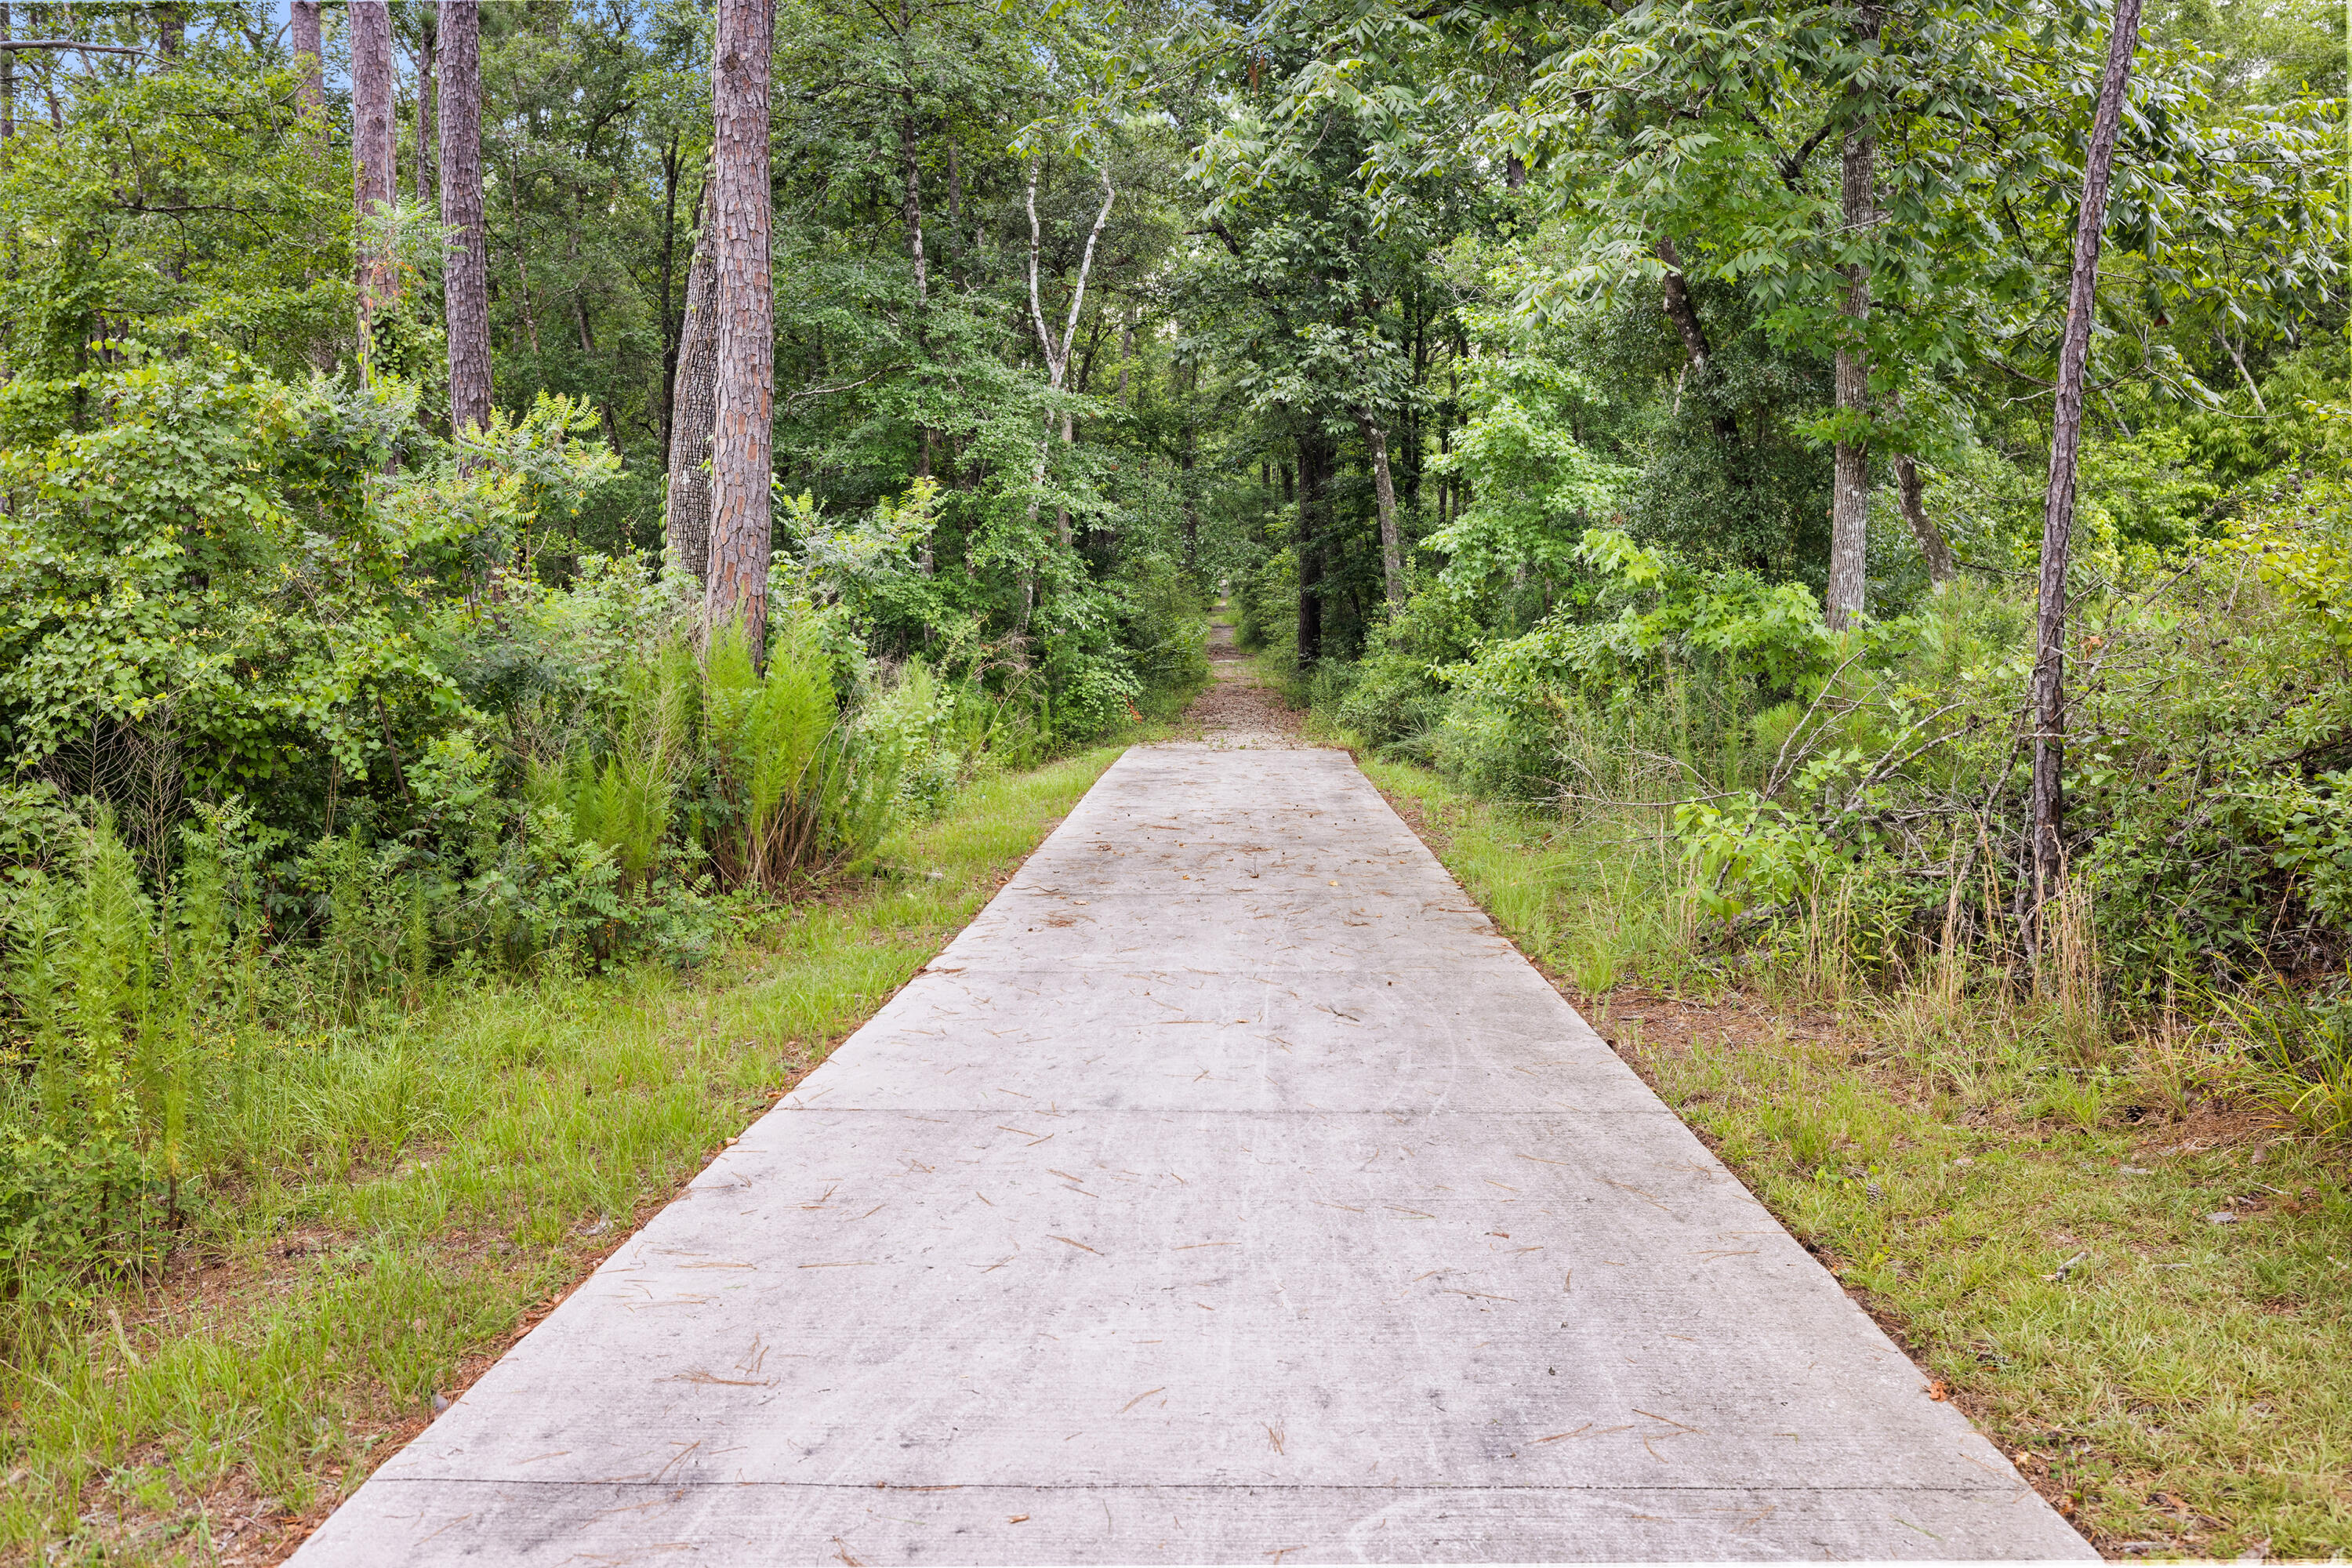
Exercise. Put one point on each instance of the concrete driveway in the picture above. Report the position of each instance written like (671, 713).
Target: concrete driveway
(1230, 1190)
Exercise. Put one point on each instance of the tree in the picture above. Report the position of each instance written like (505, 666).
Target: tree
(374, 195)
(2065, 441)
(465, 277)
(427, 57)
(1848, 587)
(302, 22)
(1057, 350)
(735, 590)
(1332, 216)
(685, 517)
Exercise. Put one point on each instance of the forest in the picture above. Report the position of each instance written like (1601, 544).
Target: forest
(502, 501)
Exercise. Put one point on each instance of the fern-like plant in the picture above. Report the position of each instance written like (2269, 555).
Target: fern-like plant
(773, 739)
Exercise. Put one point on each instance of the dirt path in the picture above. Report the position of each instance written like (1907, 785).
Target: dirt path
(1237, 710)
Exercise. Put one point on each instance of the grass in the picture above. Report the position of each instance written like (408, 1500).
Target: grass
(2031, 1216)
(439, 1178)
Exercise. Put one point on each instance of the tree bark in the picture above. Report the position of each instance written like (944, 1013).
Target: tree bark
(669, 322)
(911, 206)
(2048, 801)
(1058, 350)
(1850, 490)
(309, 79)
(2261, 410)
(465, 277)
(374, 138)
(425, 58)
(1675, 301)
(1376, 440)
(1941, 568)
(735, 588)
(686, 527)
(911, 211)
(8, 75)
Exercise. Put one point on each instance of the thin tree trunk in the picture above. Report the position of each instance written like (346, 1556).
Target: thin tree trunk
(310, 95)
(1376, 440)
(8, 75)
(1850, 490)
(171, 32)
(1188, 455)
(744, 428)
(669, 291)
(1311, 479)
(1941, 568)
(2065, 441)
(911, 206)
(1058, 350)
(465, 278)
(911, 211)
(373, 191)
(685, 526)
(955, 201)
(587, 353)
(310, 78)
(1675, 301)
(424, 96)
(2243, 374)
(522, 259)
(1062, 514)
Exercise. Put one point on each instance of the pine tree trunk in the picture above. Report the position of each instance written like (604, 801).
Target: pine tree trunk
(375, 137)
(1850, 491)
(302, 23)
(466, 288)
(2066, 440)
(686, 525)
(1384, 494)
(425, 58)
(744, 431)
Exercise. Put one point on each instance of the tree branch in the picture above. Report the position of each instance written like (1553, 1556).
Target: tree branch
(69, 44)
(1086, 265)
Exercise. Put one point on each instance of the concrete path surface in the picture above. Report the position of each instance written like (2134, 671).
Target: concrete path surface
(1228, 1192)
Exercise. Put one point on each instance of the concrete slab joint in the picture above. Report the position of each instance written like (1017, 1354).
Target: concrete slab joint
(1230, 1190)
